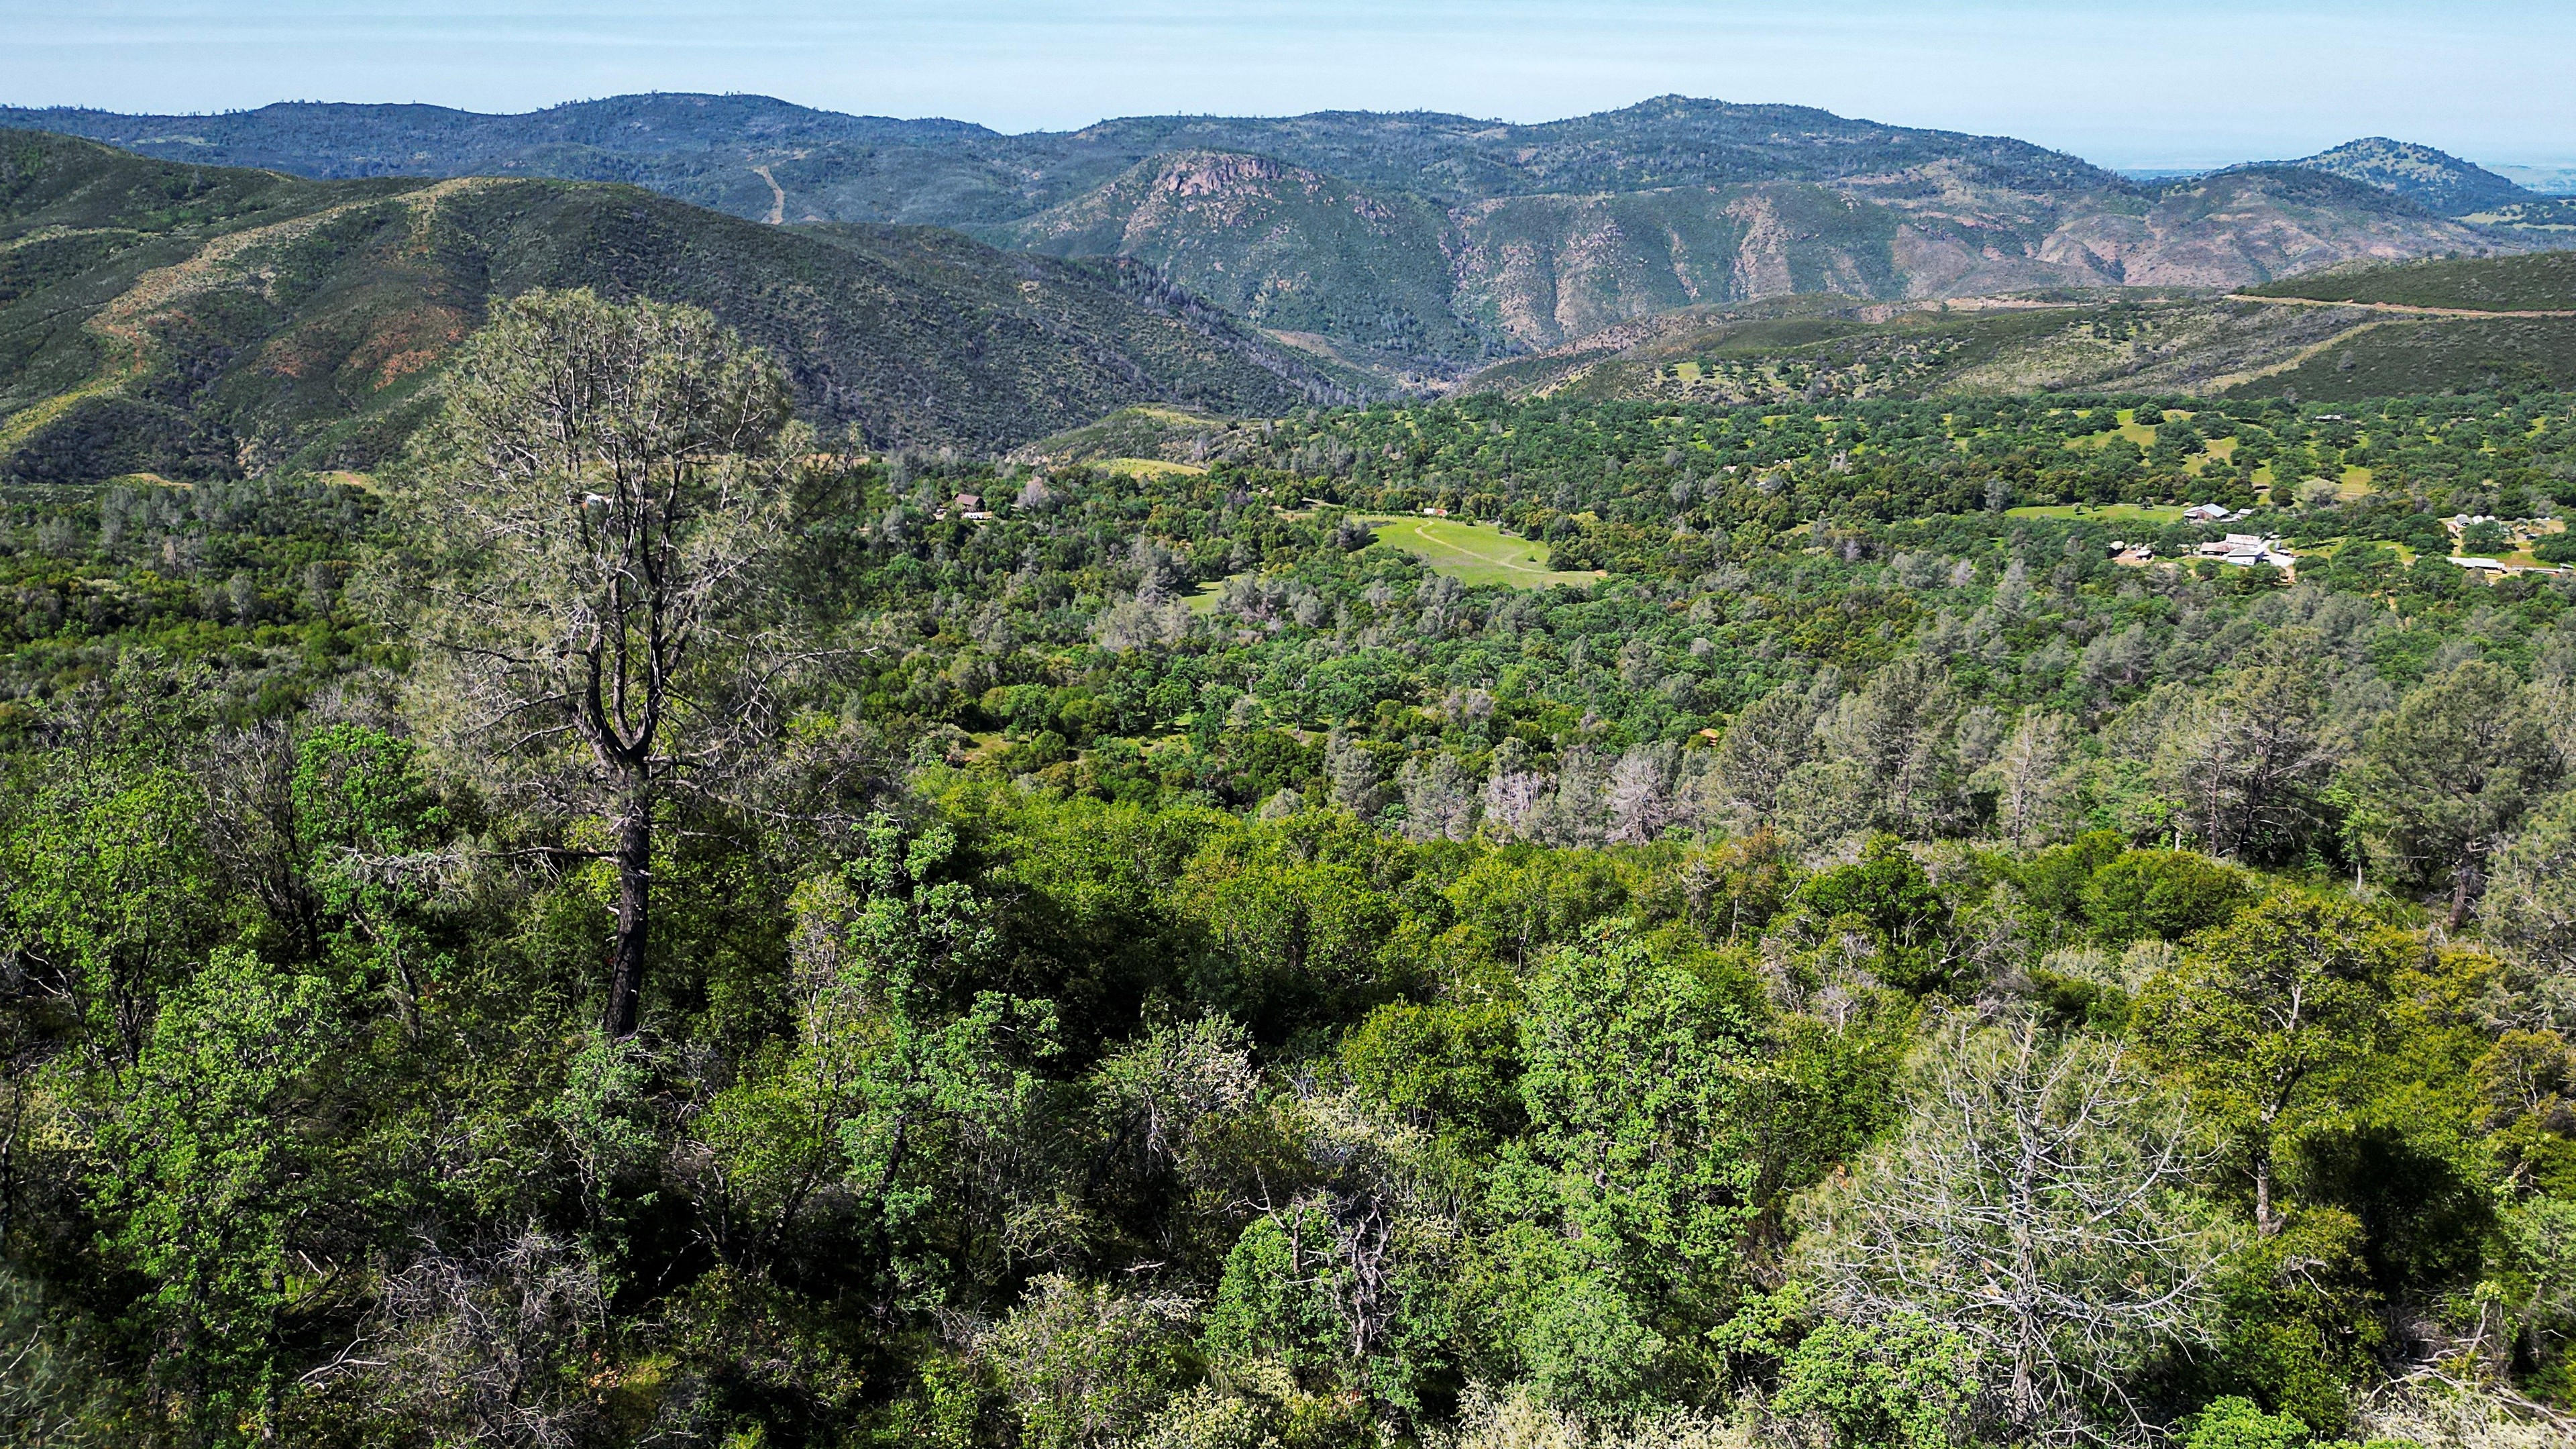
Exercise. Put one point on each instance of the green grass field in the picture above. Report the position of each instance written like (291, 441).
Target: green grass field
(1149, 467)
(1202, 600)
(1474, 553)
(2158, 514)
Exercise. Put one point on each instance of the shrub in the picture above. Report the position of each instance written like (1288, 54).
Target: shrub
(2167, 893)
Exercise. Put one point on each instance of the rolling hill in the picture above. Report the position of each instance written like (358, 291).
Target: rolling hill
(1425, 244)
(2544, 282)
(2441, 181)
(2358, 332)
(186, 319)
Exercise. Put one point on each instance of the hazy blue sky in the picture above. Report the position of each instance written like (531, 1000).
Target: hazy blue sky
(2181, 82)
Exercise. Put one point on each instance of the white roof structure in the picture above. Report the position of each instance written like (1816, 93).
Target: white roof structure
(2245, 550)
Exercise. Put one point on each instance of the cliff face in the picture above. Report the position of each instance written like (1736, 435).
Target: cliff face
(1286, 247)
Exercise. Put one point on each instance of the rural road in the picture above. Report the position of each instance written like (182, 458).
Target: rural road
(2397, 307)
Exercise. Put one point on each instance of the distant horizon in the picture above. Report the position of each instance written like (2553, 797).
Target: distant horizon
(2146, 169)
(2188, 86)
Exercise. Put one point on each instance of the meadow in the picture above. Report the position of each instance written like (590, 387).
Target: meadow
(1476, 553)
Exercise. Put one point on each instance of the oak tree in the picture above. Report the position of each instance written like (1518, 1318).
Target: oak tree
(583, 524)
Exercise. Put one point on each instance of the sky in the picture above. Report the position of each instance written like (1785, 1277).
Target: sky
(2182, 83)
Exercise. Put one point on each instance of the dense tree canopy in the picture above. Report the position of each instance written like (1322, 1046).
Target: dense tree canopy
(1135, 959)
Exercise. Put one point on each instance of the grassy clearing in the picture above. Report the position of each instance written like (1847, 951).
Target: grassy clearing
(2320, 549)
(1475, 553)
(1178, 417)
(2219, 450)
(1202, 599)
(2159, 514)
(1148, 467)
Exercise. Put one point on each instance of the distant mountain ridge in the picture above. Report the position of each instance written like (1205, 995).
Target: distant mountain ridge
(662, 139)
(1427, 244)
(338, 140)
(1667, 141)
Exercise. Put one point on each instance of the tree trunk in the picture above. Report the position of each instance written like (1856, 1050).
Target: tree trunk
(2465, 880)
(2264, 1227)
(272, 1391)
(634, 891)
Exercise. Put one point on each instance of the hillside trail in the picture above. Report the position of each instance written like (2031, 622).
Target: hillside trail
(777, 197)
(2397, 307)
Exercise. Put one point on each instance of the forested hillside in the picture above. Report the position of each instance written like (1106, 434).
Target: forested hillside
(202, 322)
(2441, 181)
(636, 928)
(2542, 283)
(1424, 245)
